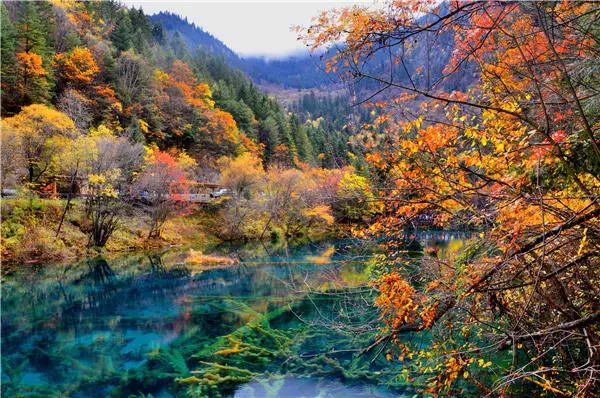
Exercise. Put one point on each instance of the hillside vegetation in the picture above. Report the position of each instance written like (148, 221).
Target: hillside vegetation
(122, 119)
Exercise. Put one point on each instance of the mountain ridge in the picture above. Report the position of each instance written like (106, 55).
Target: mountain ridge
(296, 71)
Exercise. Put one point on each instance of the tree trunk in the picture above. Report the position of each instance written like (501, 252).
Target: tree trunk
(69, 196)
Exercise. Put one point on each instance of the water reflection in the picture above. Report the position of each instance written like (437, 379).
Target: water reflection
(140, 323)
(293, 387)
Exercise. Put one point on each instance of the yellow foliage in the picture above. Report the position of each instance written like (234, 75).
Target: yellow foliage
(196, 257)
(322, 212)
(323, 258)
(188, 380)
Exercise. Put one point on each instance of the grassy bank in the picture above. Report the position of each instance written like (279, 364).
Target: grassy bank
(29, 231)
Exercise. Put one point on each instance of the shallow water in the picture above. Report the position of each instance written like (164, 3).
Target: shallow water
(282, 323)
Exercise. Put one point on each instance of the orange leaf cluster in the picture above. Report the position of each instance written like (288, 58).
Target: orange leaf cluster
(78, 67)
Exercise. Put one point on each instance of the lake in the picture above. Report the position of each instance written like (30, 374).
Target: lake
(284, 322)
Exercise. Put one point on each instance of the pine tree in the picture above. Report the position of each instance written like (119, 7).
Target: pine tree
(121, 35)
(48, 22)
(134, 131)
(158, 33)
(178, 45)
(8, 39)
(303, 144)
(30, 36)
(286, 135)
(269, 136)
(71, 41)
(34, 79)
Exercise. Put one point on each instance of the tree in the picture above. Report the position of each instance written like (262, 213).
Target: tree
(164, 185)
(219, 134)
(73, 160)
(78, 67)
(110, 172)
(292, 203)
(12, 167)
(305, 151)
(8, 59)
(269, 137)
(78, 107)
(354, 200)
(33, 76)
(288, 157)
(122, 33)
(33, 129)
(243, 115)
(516, 156)
(193, 120)
(32, 84)
(241, 175)
(31, 36)
(133, 76)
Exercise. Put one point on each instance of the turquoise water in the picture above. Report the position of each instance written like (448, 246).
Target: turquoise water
(285, 322)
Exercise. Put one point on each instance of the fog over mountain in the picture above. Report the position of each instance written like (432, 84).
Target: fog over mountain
(295, 71)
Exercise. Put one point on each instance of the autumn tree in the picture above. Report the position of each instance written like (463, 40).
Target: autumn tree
(193, 120)
(109, 171)
(243, 176)
(33, 76)
(133, 76)
(292, 202)
(77, 67)
(73, 161)
(164, 185)
(32, 132)
(515, 155)
(219, 134)
(12, 168)
(354, 199)
(77, 106)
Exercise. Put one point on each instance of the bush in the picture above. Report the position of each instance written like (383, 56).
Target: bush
(355, 201)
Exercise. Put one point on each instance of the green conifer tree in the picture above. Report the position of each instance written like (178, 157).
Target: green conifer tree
(32, 84)
(8, 39)
(121, 35)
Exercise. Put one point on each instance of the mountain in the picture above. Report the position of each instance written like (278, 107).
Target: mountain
(298, 72)
(193, 35)
(306, 72)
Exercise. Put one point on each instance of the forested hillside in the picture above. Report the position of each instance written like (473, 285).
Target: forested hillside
(103, 64)
(102, 104)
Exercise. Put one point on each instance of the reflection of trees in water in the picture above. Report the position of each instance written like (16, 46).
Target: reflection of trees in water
(99, 272)
(103, 284)
(157, 265)
(215, 303)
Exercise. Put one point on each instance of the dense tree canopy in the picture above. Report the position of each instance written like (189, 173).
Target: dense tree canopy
(515, 156)
(105, 64)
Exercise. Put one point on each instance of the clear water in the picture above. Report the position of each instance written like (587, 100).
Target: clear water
(285, 322)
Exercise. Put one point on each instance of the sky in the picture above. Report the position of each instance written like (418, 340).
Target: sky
(249, 28)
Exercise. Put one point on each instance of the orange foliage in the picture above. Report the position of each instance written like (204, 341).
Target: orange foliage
(181, 77)
(400, 305)
(30, 64)
(218, 129)
(515, 155)
(78, 67)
